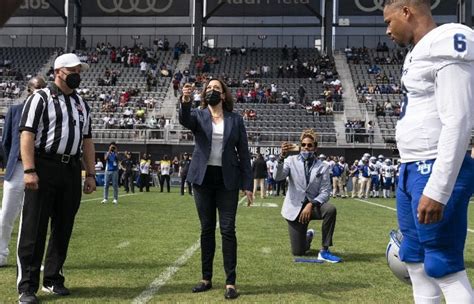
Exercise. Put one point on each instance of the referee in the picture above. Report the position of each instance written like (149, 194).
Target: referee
(55, 126)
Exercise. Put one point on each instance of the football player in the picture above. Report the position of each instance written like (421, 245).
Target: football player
(374, 172)
(435, 123)
(388, 173)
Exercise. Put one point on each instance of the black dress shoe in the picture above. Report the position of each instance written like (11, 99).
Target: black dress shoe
(201, 286)
(28, 298)
(231, 293)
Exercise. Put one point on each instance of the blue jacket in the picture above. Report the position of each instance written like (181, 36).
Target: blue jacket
(11, 138)
(236, 170)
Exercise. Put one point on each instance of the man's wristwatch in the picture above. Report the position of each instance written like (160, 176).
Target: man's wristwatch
(29, 171)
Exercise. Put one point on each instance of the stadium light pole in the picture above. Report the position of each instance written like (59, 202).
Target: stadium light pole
(464, 12)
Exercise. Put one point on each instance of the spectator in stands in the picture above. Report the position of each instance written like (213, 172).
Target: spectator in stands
(228, 51)
(300, 207)
(301, 94)
(176, 83)
(292, 102)
(140, 114)
(294, 53)
(284, 52)
(143, 67)
(243, 51)
(379, 110)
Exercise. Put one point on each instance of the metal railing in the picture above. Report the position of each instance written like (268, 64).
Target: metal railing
(217, 41)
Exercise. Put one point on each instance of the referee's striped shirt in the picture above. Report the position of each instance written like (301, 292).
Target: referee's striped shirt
(59, 121)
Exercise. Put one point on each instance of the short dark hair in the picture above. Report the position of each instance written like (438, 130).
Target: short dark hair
(408, 2)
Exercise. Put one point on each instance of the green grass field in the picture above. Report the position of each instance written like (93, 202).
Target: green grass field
(116, 252)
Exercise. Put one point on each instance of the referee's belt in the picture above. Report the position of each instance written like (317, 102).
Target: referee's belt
(61, 158)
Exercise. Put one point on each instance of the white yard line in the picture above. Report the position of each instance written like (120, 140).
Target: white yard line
(101, 198)
(390, 208)
(169, 272)
(123, 245)
(166, 275)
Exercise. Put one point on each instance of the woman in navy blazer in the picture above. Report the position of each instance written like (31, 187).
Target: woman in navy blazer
(220, 167)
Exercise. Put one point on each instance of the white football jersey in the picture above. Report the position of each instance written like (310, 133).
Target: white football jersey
(387, 171)
(438, 108)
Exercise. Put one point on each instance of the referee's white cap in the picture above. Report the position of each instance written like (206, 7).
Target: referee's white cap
(69, 60)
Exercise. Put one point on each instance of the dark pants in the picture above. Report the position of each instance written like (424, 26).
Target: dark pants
(58, 198)
(281, 185)
(209, 196)
(145, 182)
(129, 181)
(190, 186)
(299, 242)
(164, 178)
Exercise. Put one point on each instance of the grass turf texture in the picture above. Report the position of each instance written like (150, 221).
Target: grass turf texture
(117, 251)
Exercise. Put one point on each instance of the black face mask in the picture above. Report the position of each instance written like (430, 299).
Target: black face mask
(73, 80)
(213, 98)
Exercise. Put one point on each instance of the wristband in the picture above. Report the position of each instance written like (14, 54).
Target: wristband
(28, 171)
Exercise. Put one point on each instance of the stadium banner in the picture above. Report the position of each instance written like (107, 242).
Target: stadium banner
(263, 8)
(265, 150)
(39, 8)
(375, 7)
(101, 8)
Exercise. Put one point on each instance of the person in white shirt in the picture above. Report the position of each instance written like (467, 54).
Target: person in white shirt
(165, 165)
(433, 133)
(387, 172)
(99, 166)
(271, 183)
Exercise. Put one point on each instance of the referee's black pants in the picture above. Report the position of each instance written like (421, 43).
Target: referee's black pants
(58, 198)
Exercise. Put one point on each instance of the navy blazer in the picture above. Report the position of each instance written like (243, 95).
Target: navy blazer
(236, 168)
(11, 138)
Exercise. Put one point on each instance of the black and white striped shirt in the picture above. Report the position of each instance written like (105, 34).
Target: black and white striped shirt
(59, 121)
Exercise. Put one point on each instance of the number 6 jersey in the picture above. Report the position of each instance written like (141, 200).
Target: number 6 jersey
(437, 112)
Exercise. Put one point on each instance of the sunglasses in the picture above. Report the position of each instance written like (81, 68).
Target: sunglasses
(304, 145)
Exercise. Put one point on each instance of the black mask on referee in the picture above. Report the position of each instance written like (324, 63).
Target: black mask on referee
(73, 80)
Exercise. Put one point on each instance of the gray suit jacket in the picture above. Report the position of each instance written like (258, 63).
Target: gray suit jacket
(317, 190)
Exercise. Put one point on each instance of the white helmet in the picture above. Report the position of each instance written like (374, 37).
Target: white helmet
(388, 161)
(366, 155)
(381, 157)
(373, 159)
(398, 267)
(322, 157)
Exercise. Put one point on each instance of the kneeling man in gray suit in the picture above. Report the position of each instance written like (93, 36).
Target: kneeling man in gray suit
(309, 188)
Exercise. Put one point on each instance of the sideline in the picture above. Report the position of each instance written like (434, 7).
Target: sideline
(101, 198)
(169, 272)
(390, 208)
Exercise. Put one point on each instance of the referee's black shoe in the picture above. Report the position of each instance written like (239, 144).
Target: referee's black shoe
(28, 297)
(58, 289)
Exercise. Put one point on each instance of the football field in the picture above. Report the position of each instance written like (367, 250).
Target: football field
(147, 249)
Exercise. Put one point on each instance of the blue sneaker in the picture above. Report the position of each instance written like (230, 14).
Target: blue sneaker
(325, 255)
